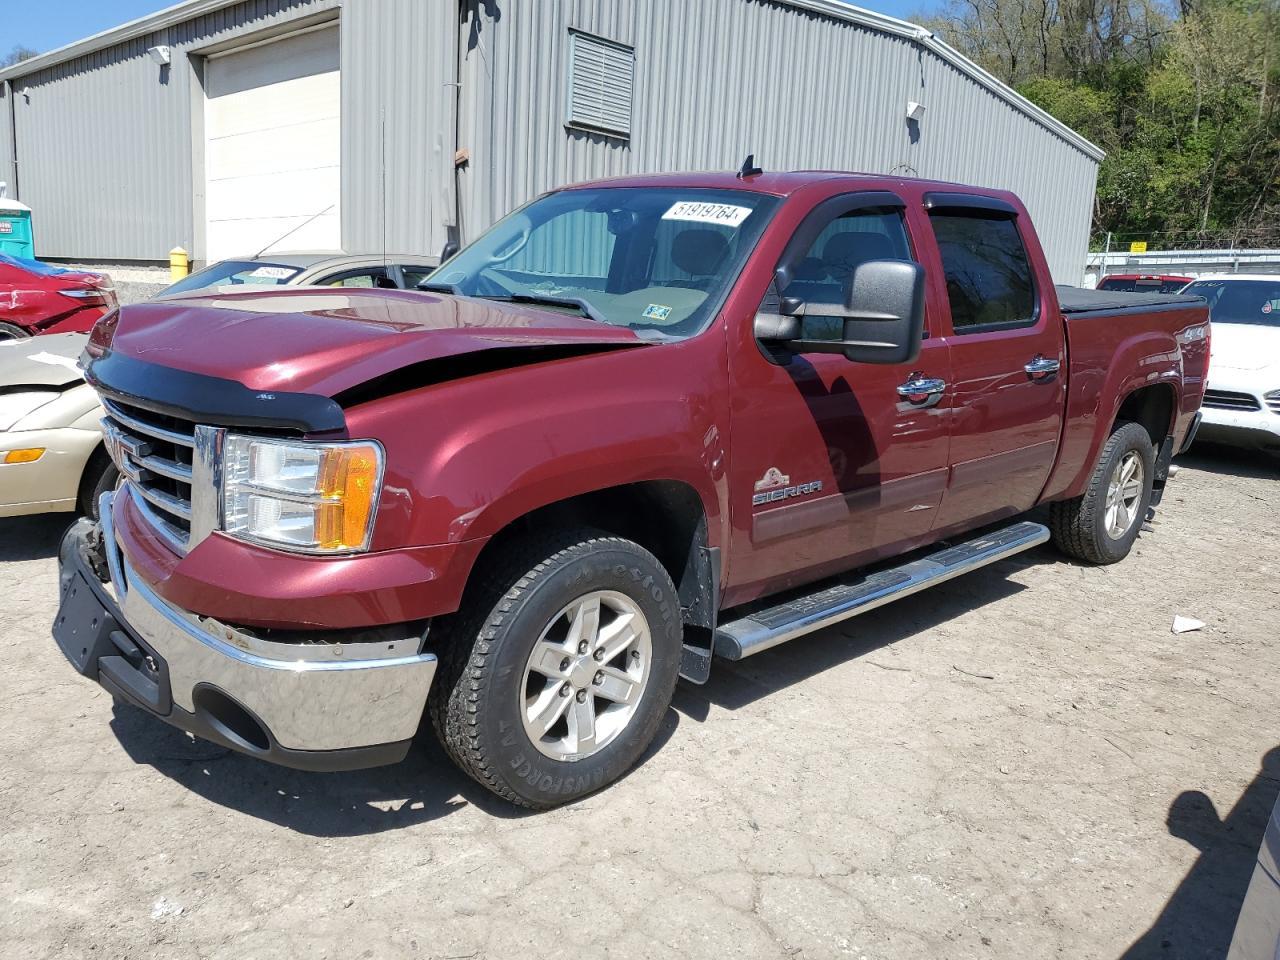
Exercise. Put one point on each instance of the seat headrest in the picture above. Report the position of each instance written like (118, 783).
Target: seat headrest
(845, 250)
(699, 252)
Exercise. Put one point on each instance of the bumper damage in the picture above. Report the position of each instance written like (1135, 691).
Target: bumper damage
(311, 707)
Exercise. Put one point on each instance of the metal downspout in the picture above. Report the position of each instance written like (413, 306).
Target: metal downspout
(13, 134)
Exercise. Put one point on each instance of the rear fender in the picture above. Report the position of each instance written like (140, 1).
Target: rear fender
(1098, 384)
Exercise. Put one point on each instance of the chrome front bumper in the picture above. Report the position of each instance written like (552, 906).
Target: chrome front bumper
(317, 706)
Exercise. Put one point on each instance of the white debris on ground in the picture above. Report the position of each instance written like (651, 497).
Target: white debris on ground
(1183, 624)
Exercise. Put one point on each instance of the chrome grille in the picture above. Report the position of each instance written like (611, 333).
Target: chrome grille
(1273, 401)
(155, 453)
(1230, 400)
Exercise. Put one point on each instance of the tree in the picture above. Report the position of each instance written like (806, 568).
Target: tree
(1183, 100)
(17, 55)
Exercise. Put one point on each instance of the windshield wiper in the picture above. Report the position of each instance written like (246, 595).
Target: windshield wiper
(439, 286)
(537, 299)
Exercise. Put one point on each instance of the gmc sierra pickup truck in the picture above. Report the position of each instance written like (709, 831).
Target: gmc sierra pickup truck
(637, 425)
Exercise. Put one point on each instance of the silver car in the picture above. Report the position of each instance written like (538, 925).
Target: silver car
(391, 271)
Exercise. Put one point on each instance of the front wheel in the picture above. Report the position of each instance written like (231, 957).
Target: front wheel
(556, 674)
(9, 331)
(1100, 526)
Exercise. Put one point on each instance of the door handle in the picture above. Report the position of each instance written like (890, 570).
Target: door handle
(1042, 368)
(922, 391)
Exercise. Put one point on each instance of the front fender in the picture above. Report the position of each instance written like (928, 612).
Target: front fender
(467, 457)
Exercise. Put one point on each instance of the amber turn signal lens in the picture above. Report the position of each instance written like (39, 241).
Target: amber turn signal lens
(349, 484)
(28, 455)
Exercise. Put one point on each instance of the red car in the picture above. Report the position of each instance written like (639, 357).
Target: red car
(1143, 282)
(638, 424)
(38, 298)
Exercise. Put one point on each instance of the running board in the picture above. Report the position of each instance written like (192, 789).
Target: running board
(774, 625)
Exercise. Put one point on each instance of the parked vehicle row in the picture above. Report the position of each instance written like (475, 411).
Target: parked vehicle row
(637, 424)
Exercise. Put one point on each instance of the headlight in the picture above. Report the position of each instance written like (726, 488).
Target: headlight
(15, 406)
(313, 497)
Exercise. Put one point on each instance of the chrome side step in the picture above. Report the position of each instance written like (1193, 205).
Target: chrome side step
(768, 628)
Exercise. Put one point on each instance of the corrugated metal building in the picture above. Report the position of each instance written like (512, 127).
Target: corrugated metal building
(407, 124)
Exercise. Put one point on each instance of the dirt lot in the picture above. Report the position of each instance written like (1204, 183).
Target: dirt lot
(1024, 763)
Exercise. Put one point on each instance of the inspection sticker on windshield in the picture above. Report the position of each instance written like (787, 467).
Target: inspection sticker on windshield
(725, 214)
(274, 273)
(657, 311)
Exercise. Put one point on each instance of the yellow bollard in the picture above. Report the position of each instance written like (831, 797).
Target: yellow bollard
(179, 264)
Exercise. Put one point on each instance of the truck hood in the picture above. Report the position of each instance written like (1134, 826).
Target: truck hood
(312, 340)
(1242, 347)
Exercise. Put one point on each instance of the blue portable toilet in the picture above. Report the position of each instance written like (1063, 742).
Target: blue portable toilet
(16, 238)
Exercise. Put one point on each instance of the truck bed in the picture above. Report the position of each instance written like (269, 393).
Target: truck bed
(1073, 300)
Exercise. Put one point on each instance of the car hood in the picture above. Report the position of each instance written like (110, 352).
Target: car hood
(1243, 347)
(309, 340)
(48, 361)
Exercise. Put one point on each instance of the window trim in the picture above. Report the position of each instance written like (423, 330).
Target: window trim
(827, 212)
(996, 211)
(329, 280)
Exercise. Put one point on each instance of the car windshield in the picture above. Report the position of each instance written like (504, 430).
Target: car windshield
(1240, 301)
(234, 272)
(657, 260)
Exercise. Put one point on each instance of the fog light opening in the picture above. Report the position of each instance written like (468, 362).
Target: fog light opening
(230, 719)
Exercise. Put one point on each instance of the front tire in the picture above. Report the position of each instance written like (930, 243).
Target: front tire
(1101, 526)
(9, 331)
(555, 675)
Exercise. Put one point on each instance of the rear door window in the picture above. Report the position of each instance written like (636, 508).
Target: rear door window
(989, 280)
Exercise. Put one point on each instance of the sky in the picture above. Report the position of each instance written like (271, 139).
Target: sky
(44, 25)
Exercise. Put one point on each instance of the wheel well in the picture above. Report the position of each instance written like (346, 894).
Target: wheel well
(98, 460)
(1152, 407)
(663, 516)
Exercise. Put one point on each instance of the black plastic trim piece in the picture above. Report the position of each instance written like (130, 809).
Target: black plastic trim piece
(1192, 430)
(213, 400)
(938, 201)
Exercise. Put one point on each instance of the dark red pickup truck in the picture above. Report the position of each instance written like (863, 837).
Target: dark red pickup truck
(638, 423)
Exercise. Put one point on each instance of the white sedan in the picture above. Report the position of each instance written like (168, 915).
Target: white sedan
(1242, 402)
(51, 453)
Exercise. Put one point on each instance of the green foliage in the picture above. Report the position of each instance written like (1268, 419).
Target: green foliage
(1185, 105)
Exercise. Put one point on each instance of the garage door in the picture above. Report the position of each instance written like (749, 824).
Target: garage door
(272, 146)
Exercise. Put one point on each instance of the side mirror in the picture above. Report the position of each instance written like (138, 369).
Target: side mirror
(883, 316)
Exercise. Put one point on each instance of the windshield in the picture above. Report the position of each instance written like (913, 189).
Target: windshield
(657, 260)
(1240, 301)
(234, 272)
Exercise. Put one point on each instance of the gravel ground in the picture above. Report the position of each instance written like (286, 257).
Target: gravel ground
(1023, 763)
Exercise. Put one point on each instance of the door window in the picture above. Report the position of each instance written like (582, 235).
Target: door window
(989, 280)
(357, 278)
(822, 274)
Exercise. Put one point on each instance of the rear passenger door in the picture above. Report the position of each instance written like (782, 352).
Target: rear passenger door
(1007, 359)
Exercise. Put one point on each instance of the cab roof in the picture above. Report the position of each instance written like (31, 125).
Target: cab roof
(779, 184)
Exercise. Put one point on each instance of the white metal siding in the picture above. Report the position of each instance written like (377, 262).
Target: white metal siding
(719, 79)
(272, 147)
(397, 124)
(105, 153)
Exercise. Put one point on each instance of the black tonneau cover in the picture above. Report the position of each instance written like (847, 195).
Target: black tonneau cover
(1080, 300)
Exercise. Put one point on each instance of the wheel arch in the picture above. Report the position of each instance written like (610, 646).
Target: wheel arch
(667, 518)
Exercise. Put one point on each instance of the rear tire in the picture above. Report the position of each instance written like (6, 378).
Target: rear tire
(10, 332)
(523, 702)
(1101, 526)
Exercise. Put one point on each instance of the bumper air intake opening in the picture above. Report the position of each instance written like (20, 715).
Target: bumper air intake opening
(230, 719)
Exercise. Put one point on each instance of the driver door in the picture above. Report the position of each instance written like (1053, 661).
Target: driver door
(835, 463)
